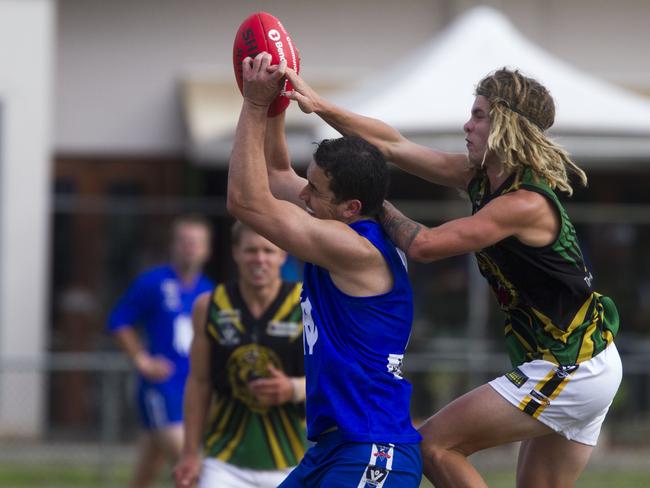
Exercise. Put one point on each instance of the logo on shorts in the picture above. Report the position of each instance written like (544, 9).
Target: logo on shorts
(375, 475)
(564, 371)
(540, 397)
(516, 377)
(383, 452)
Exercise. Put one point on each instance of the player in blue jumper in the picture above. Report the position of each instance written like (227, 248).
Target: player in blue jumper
(357, 302)
(160, 300)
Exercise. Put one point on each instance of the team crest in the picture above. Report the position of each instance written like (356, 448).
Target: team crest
(383, 452)
(503, 289)
(564, 371)
(245, 364)
(375, 475)
(225, 325)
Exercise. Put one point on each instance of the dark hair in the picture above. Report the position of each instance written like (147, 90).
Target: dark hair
(357, 171)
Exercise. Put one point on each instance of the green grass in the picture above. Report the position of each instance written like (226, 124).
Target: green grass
(590, 479)
(75, 476)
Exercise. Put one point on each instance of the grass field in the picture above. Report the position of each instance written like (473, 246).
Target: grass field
(58, 476)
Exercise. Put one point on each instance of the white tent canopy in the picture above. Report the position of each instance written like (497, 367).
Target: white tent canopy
(428, 96)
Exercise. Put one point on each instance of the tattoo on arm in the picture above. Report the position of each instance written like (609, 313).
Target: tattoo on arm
(400, 228)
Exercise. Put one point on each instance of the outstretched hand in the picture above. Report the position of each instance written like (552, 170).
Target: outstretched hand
(261, 81)
(308, 100)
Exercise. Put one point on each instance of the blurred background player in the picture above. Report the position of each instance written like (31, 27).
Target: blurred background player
(160, 301)
(247, 361)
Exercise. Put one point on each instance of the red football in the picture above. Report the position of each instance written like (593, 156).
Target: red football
(263, 32)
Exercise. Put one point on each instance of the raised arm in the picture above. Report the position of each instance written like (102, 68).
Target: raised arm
(328, 243)
(196, 401)
(525, 215)
(448, 169)
(285, 182)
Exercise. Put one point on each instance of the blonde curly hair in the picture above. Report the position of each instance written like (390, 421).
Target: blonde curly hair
(521, 110)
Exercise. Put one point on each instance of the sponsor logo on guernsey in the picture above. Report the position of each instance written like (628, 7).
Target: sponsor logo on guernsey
(310, 331)
(394, 365)
(516, 377)
(225, 322)
(171, 295)
(278, 328)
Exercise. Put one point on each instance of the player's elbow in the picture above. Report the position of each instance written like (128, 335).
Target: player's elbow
(420, 250)
(235, 203)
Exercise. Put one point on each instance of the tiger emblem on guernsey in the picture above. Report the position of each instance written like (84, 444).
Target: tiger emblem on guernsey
(503, 289)
(247, 363)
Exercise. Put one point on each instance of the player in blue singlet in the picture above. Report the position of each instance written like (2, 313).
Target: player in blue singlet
(160, 300)
(357, 302)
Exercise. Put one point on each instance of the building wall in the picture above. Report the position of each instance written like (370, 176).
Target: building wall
(26, 48)
(119, 62)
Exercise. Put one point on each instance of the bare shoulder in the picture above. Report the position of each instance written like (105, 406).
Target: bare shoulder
(200, 309)
(522, 203)
(203, 300)
(533, 216)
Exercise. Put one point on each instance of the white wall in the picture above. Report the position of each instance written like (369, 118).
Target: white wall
(26, 48)
(119, 61)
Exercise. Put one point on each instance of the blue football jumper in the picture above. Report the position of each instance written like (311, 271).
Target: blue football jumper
(357, 400)
(354, 347)
(159, 302)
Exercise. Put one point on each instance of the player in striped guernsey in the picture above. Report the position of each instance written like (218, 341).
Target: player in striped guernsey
(247, 356)
(559, 330)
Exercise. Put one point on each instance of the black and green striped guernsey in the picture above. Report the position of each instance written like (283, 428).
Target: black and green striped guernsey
(240, 431)
(552, 312)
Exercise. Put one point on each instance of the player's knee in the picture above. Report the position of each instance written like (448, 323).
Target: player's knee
(435, 453)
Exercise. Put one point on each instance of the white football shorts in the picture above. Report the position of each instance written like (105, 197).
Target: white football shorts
(217, 474)
(571, 400)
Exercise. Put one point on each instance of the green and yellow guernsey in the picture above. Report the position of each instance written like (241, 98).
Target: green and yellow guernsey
(240, 430)
(552, 312)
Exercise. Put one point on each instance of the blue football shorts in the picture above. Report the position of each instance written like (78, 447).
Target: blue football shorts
(336, 463)
(159, 407)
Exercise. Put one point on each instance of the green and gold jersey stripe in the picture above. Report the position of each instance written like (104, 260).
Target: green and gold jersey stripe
(289, 304)
(223, 303)
(258, 441)
(587, 334)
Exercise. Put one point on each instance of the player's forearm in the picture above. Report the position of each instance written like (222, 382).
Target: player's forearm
(196, 403)
(129, 342)
(276, 151)
(402, 230)
(248, 183)
(299, 389)
(372, 130)
(278, 161)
